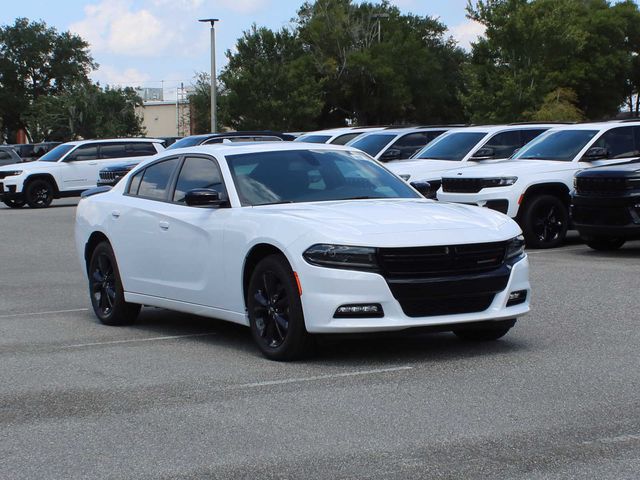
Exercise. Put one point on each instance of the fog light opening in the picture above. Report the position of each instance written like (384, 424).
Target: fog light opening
(365, 310)
(516, 298)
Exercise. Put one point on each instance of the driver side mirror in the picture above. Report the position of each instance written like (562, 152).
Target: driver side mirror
(595, 153)
(484, 153)
(391, 154)
(424, 188)
(204, 197)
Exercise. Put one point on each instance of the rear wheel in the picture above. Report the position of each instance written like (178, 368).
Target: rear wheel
(105, 288)
(39, 193)
(275, 311)
(604, 244)
(545, 220)
(484, 332)
(14, 203)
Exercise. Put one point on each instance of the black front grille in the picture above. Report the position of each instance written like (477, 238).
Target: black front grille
(441, 261)
(109, 175)
(462, 185)
(426, 307)
(617, 216)
(601, 185)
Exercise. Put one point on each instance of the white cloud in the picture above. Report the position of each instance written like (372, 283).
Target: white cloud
(467, 32)
(112, 26)
(129, 77)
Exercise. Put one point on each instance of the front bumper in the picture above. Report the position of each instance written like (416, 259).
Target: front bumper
(501, 199)
(326, 289)
(607, 216)
(9, 192)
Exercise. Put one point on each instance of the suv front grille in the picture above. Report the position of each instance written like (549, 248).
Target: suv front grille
(601, 185)
(462, 185)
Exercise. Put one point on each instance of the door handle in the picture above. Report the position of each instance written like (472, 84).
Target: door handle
(164, 225)
(115, 214)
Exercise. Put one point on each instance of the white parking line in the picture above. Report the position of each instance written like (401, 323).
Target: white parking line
(133, 340)
(52, 312)
(320, 377)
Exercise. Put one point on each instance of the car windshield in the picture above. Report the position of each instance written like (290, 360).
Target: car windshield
(311, 176)
(561, 145)
(57, 153)
(372, 143)
(313, 138)
(186, 142)
(454, 146)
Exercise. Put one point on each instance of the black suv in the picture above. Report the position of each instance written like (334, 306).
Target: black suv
(606, 205)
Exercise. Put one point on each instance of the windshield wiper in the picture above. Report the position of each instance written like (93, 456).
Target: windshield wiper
(274, 203)
(360, 198)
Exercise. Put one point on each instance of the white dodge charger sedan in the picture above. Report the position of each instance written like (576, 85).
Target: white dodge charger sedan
(295, 239)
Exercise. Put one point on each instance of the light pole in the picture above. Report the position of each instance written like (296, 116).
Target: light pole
(212, 21)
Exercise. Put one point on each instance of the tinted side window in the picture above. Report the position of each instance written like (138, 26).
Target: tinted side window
(504, 144)
(83, 153)
(198, 172)
(619, 142)
(139, 149)
(134, 185)
(156, 179)
(4, 155)
(112, 150)
(410, 144)
(343, 139)
(528, 135)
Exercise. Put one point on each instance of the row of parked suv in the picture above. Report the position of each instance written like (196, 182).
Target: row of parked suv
(524, 170)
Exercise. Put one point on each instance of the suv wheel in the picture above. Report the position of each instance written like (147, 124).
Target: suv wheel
(545, 220)
(14, 203)
(604, 243)
(39, 193)
(275, 311)
(105, 289)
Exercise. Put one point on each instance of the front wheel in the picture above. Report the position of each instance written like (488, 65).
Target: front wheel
(39, 193)
(545, 220)
(604, 244)
(484, 332)
(275, 311)
(105, 288)
(14, 203)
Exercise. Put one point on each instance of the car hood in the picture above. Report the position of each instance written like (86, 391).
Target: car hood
(30, 166)
(425, 169)
(394, 222)
(513, 168)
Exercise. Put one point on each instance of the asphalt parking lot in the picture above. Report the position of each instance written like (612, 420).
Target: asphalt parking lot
(178, 396)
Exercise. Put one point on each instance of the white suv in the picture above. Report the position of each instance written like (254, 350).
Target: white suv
(464, 147)
(533, 186)
(336, 136)
(68, 169)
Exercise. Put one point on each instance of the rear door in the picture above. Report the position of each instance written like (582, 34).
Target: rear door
(79, 169)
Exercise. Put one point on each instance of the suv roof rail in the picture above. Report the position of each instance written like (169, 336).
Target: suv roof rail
(626, 120)
(541, 123)
(441, 125)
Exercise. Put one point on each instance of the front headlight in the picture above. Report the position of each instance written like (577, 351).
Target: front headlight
(515, 248)
(10, 173)
(499, 182)
(342, 256)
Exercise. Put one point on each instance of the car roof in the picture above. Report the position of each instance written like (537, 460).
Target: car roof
(110, 140)
(258, 147)
(598, 125)
(236, 134)
(504, 128)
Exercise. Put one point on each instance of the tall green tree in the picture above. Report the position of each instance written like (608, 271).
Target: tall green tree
(269, 83)
(533, 47)
(380, 66)
(37, 61)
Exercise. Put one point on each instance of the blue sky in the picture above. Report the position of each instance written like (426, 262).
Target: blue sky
(151, 43)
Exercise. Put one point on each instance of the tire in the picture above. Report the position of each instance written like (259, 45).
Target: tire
(14, 203)
(105, 289)
(485, 332)
(544, 222)
(275, 311)
(39, 193)
(604, 244)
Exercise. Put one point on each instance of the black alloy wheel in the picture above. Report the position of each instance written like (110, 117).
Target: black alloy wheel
(105, 289)
(484, 332)
(605, 244)
(545, 222)
(39, 193)
(14, 203)
(275, 310)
